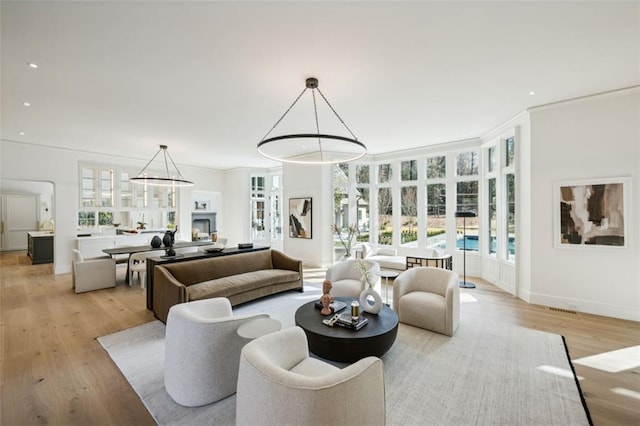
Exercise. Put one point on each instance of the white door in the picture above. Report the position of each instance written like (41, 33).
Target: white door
(21, 218)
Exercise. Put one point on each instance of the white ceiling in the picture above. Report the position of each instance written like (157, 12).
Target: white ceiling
(209, 79)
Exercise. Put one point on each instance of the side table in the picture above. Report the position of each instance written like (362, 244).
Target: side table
(386, 275)
(258, 327)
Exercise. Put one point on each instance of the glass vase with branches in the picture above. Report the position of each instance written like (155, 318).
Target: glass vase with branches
(346, 239)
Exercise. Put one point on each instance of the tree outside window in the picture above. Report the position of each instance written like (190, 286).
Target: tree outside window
(409, 213)
(409, 170)
(362, 173)
(363, 213)
(467, 163)
(437, 167)
(385, 173)
(385, 216)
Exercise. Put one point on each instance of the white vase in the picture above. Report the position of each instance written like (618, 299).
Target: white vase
(366, 304)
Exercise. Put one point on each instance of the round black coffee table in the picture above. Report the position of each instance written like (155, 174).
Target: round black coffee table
(342, 344)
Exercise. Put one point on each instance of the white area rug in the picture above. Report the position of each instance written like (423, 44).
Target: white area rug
(487, 373)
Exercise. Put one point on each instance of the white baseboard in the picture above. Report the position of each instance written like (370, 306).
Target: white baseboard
(582, 306)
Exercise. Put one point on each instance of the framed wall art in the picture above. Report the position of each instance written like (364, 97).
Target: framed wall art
(592, 213)
(202, 204)
(300, 212)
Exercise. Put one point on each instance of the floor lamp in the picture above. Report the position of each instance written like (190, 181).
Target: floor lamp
(464, 215)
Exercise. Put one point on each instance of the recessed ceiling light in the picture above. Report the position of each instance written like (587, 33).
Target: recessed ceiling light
(26, 104)
(32, 65)
(21, 133)
(532, 93)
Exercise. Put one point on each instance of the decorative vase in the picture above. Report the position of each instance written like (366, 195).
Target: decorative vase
(156, 242)
(366, 304)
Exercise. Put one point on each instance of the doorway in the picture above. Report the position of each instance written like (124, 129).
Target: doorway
(24, 207)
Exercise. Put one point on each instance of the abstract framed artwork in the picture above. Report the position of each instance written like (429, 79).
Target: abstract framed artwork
(300, 217)
(592, 213)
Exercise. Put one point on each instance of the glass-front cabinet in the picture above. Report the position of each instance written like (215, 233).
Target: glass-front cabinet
(108, 199)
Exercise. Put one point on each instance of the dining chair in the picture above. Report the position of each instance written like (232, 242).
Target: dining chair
(138, 263)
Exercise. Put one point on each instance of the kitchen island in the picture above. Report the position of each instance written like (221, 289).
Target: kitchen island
(40, 247)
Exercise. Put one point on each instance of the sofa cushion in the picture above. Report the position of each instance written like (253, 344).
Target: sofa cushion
(239, 283)
(201, 270)
(386, 252)
(390, 262)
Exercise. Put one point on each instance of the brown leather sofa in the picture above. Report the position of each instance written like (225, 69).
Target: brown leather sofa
(240, 278)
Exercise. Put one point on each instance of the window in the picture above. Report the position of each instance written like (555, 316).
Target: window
(385, 216)
(362, 174)
(510, 150)
(436, 215)
(344, 168)
(467, 163)
(467, 200)
(436, 167)
(105, 218)
(511, 216)
(409, 215)
(276, 208)
(363, 213)
(257, 186)
(385, 173)
(86, 219)
(492, 218)
(491, 164)
(409, 170)
(258, 204)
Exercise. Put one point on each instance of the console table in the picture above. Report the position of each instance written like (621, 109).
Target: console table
(153, 261)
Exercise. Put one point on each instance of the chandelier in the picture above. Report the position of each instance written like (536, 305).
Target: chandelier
(175, 179)
(312, 148)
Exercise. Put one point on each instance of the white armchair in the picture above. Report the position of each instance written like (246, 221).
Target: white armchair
(428, 298)
(202, 351)
(346, 278)
(279, 384)
(92, 274)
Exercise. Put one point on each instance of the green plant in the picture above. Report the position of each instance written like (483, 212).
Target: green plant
(366, 272)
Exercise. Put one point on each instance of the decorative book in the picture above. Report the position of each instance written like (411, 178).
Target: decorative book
(336, 306)
(345, 320)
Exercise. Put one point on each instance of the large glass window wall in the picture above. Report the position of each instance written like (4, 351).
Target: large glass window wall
(415, 208)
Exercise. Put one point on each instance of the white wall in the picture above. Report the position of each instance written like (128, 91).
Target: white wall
(238, 207)
(313, 181)
(60, 166)
(596, 137)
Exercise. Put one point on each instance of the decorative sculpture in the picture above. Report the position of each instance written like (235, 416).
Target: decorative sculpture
(326, 299)
(168, 240)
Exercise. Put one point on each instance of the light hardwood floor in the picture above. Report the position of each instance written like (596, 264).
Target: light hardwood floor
(53, 371)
